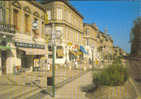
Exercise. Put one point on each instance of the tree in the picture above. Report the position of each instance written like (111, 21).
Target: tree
(135, 38)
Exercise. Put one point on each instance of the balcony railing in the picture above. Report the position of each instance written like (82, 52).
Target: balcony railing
(7, 28)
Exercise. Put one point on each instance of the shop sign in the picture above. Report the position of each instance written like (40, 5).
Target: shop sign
(7, 28)
(69, 44)
(28, 45)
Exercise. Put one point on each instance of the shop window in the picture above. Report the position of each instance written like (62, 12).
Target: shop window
(49, 48)
(59, 52)
(49, 56)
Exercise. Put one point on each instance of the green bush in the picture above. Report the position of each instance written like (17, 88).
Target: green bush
(114, 75)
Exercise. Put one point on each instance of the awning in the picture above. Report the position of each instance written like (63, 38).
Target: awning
(74, 53)
(29, 51)
(83, 49)
(79, 53)
(5, 47)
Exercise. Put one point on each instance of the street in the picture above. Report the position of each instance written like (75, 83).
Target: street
(30, 84)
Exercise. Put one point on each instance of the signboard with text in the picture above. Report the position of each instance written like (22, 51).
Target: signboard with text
(28, 45)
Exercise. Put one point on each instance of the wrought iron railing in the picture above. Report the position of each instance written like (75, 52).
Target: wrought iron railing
(10, 28)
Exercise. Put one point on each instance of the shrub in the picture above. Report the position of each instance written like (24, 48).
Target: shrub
(114, 75)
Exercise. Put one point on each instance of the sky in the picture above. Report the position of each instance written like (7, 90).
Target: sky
(116, 16)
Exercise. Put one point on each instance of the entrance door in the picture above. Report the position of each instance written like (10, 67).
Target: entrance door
(3, 62)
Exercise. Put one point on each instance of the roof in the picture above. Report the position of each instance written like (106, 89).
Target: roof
(37, 4)
(67, 3)
(90, 25)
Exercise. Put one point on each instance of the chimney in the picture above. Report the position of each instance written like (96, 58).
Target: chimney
(94, 25)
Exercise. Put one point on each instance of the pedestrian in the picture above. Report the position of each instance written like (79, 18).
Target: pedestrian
(76, 64)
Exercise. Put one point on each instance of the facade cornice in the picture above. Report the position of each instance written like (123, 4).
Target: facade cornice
(37, 4)
(67, 3)
(65, 23)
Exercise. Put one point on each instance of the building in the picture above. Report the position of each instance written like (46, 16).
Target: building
(67, 22)
(27, 43)
(91, 41)
(99, 44)
(7, 32)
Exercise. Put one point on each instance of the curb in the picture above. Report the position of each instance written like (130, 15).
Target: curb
(137, 92)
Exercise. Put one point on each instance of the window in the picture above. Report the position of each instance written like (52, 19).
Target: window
(27, 23)
(49, 48)
(43, 29)
(49, 56)
(49, 14)
(59, 13)
(69, 17)
(66, 33)
(77, 37)
(15, 18)
(59, 31)
(73, 36)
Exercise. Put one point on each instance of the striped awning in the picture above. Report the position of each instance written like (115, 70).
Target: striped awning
(83, 50)
(29, 51)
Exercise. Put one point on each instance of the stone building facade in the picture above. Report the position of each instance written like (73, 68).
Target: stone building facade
(68, 22)
(27, 42)
(100, 44)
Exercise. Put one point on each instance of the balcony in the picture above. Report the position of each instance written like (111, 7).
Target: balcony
(7, 28)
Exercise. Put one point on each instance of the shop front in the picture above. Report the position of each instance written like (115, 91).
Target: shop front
(5, 54)
(60, 54)
(30, 55)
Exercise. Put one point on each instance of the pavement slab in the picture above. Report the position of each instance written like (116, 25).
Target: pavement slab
(72, 90)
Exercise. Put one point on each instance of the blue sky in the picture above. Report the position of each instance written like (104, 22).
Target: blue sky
(116, 16)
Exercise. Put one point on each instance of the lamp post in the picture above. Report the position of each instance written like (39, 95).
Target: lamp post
(53, 60)
(55, 35)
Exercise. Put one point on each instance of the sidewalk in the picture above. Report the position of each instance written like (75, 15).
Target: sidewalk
(72, 90)
(137, 86)
(26, 85)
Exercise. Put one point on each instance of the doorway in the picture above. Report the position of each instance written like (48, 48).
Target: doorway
(3, 61)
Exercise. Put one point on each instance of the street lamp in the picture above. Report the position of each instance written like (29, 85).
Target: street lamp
(56, 34)
(53, 60)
